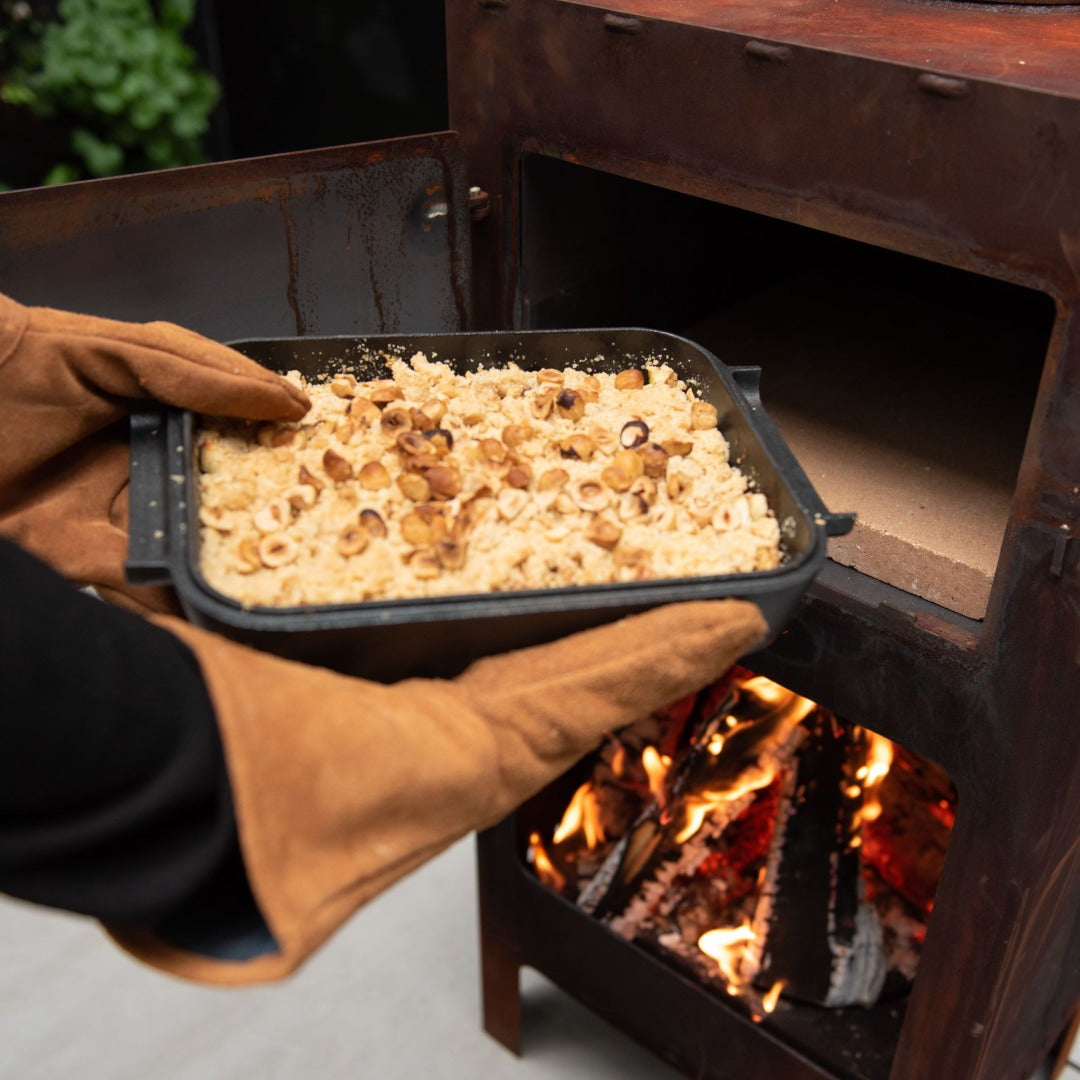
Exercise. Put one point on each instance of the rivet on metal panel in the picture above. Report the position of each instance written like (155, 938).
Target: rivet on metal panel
(767, 50)
(946, 86)
(479, 203)
(623, 24)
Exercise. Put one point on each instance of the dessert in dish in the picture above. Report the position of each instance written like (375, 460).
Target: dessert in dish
(435, 483)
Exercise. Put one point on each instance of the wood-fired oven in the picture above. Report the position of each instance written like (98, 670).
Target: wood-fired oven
(877, 202)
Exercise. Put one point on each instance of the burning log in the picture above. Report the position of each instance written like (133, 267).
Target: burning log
(813, 930)
(733, 752)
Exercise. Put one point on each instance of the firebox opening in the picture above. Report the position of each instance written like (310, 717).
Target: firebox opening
(904, 387)
(751, 840)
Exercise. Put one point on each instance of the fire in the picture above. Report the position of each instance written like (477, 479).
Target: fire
(656, 767)
(874, 769)
(546, 870)
(728, 947)
(768, 1002)
(582, 815)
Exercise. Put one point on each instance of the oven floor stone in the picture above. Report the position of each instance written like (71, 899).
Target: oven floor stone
(394, 995)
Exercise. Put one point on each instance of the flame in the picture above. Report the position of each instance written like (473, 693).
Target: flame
(768, 1002)
(545, 868)
(582, 814)
(874, 769)
(618, 757)
(697, 807)
(728, 946)
(656, 767)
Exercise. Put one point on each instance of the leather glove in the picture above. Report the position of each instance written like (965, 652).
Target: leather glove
(66, 383)
(341, 786)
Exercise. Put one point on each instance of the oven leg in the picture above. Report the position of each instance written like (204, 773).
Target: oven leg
(500, 953)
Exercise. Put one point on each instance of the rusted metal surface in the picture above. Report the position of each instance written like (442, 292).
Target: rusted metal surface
(945, 132)
(358, 239)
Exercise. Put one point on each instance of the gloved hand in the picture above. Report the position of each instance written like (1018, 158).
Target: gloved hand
(341, 786)
(66, 383)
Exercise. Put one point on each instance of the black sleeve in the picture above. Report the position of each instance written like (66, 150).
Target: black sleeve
(114, 796)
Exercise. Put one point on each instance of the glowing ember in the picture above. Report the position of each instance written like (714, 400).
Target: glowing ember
(582, 815)
(545, 869)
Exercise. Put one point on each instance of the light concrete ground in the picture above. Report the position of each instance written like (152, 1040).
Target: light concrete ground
(395, 994)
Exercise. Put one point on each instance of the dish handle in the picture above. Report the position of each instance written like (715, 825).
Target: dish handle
(148, 533)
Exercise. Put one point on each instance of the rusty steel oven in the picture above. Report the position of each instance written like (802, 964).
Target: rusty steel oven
(873, 200)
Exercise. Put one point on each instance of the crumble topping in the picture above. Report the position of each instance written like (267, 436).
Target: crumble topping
(431, 483)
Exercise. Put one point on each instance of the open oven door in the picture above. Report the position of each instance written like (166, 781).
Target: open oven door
(361, 239)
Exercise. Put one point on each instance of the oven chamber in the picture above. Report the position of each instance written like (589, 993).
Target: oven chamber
(856, 182)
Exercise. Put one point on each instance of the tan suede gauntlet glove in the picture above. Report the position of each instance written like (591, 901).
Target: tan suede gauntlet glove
(66, 382)
(341, 786)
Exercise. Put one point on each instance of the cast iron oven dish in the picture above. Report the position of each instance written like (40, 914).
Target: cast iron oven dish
(437, 629)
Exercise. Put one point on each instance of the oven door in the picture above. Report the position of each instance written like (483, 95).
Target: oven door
(361, 239)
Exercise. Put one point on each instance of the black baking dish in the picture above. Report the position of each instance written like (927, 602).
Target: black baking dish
(388, 640)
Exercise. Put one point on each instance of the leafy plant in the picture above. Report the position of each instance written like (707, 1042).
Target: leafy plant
(118, 75)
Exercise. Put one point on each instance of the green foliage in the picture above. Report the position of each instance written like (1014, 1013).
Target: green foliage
(119, 77)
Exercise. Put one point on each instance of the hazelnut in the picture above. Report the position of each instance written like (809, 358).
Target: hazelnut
(629, 379)
(552, 479)
(212, 455)
(632, 506)
(385, 391)
(732, 515)
(414, 486)
(308, 480)
(759, 506)
(247, 552)
(564, 503)
(217, 518)
(451, 554)
(395, 419)
(445, 481)
(549, 377)
(677, 485)
(590, 388)
(510, 501)
(520, 476)
(275, 551)
(604, 439)
(336, 467)
(440, 440)
(425, 564)
(492, 451)
(421, 421)
(570, 405)
(373, 523)
(653, 458)
(434, 410)
(300, 496)
(634, 564)
(415, 530)
(373, 476)
(541, 403)
(646, 488)
(603, 533)
(412, 443)
(363, 411)
(343, 385)
(590, 495)
(513, 435)
(703, 416)
(634, 433)
(580, 447)
(677, 447)
(344, 431)
(273, 517)
(274, 435)
(353, 540)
